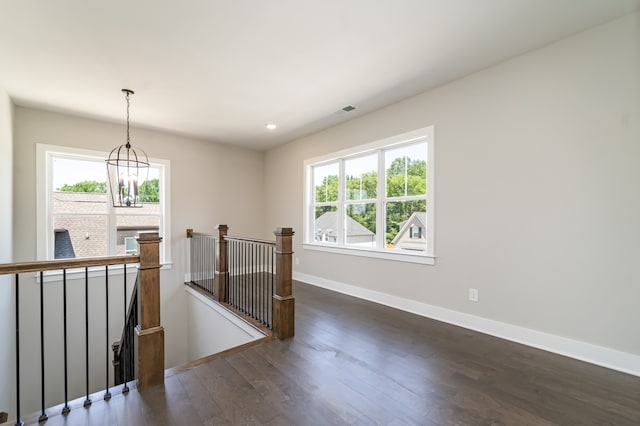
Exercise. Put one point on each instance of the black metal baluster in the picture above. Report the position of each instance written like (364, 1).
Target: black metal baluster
(107, 394)
(234, 269)
(18, 420)
(247, 282)
(203, 265)
(43, 416)
(123, 360)
(209, 268)
(248, 269)
(264, 284)
(259, 280)
(263, 309)
(65, 409)
(271, 290)
(192, 258)
(87, 401)
(198, 260)
(200, 266)
(253, 281)
(244, 277)
(250, 279)
(232, 287)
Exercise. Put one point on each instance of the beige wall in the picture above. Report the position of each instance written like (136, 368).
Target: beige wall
(537, 201)
(211, 184)
(7, 325)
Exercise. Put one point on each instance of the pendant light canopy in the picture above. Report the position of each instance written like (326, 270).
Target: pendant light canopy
(127, 169)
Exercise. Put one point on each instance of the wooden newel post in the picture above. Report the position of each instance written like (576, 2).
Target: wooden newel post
(283, 300)
(220, 282)
(149, 332)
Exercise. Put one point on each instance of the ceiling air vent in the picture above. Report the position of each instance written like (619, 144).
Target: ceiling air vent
(348, 108)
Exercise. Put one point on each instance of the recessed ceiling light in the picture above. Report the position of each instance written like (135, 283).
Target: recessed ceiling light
(271, 126)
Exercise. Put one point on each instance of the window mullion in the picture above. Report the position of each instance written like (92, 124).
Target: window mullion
(380, 210)
(342, 185)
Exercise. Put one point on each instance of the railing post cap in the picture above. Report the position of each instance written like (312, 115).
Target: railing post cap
(283, 231)
(222, 227)
(144, 237)
(189, 233)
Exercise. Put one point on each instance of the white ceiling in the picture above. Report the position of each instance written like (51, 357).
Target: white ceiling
(222, 69)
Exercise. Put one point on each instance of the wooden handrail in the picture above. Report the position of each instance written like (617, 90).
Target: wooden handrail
(191, 233)
(51, 265)
(250, 240)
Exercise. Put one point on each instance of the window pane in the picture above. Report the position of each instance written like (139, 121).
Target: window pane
(79, 236)
(75, 175)
(406, 169)
(78, 202)
(360, 224)
(361, 177)
(149, 189)
(79, 186)
(325, 228)
(128, 227)
(402, 217)
(325, 182)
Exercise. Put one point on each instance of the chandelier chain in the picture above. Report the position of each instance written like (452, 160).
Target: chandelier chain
(128, 140)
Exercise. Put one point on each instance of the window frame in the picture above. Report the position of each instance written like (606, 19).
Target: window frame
(426, 257)
(44, 181)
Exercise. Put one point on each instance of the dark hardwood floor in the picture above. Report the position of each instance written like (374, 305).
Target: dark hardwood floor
(356, 362)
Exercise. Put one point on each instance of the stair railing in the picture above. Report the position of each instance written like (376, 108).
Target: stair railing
(148, 331)
(248, 275)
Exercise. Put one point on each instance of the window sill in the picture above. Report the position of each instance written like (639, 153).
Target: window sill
(422, 259)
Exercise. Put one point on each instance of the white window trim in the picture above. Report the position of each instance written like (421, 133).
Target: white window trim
(426, 258)
(44, 178)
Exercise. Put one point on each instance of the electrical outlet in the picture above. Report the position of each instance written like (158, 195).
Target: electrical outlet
(297, 260)
(473, 294)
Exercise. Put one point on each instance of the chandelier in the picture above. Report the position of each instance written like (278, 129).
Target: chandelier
(127, 168)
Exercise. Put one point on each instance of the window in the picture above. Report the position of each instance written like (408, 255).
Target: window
(415, 232)
(76, 217)
(374, 200)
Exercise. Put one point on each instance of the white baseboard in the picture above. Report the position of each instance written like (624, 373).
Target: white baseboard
(598, 355)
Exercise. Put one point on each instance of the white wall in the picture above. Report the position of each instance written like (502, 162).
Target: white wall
(212, 328)
(537, 201)
(7, 312)
(211, 184)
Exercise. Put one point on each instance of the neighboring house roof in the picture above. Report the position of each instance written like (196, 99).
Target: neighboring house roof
(354, 228)
(63, 248)
(416, 218)
(86, 226)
